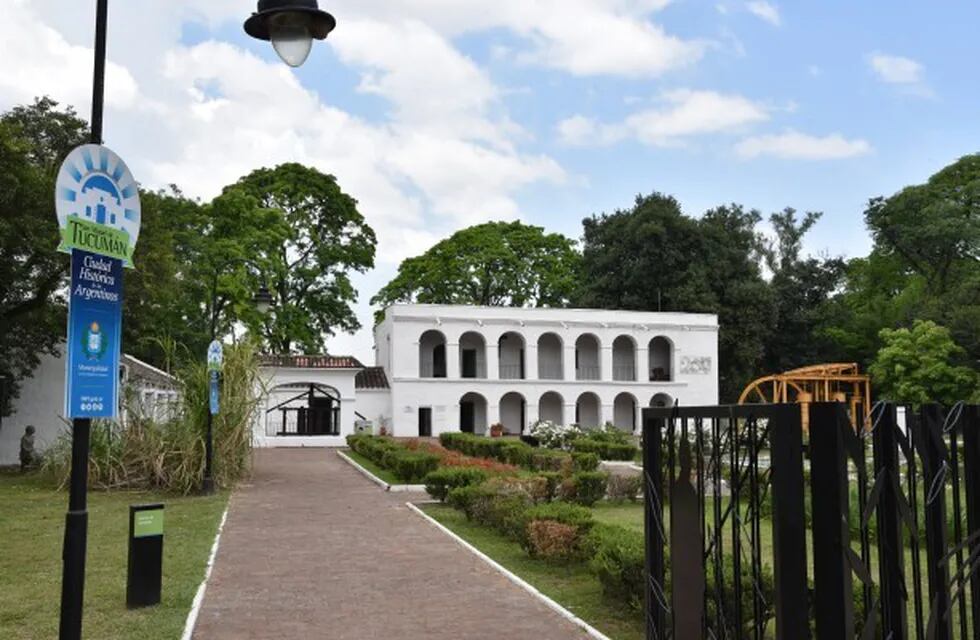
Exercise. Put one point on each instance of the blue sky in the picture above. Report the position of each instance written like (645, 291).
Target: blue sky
(437, 114)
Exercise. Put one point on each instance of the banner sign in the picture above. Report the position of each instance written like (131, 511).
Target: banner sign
(98, 204)
(213, 391)
(94, 336)
(215, 362)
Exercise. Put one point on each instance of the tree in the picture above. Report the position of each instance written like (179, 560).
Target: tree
(652, 257)
(801, 289)
(33, 140)
(918, 366)
(314, 238)
(492, 264)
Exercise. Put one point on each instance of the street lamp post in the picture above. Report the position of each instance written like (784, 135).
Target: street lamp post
(291, 25)
(262, 301)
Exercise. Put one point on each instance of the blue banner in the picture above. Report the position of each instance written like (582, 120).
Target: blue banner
(213, 376)
(94, 336)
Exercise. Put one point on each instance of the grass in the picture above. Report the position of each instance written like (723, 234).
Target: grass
(376, 471)
(573, 586)
(32, 517)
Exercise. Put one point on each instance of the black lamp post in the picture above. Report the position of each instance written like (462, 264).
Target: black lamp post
(263, 302)
(291, 25)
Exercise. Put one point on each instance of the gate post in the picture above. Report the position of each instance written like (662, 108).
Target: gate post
(788, 522)
(654, 598)
(971, 461)
(891, 557)
(833, 597)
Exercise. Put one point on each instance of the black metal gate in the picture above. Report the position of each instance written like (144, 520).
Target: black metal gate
(755, 529)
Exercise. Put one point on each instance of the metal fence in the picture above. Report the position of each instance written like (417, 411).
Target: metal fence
(757, 529)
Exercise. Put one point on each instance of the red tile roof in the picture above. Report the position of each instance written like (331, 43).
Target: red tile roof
(371, 378)
(312, 362)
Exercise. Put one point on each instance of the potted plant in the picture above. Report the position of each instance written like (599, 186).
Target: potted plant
(496, 430)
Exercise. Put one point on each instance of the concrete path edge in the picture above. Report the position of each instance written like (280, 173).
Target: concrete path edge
(378, 481)
(513, 577)
(201, 588)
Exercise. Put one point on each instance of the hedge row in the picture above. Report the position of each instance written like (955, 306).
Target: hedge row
(604, 449)
(409, 466)
(519, 453)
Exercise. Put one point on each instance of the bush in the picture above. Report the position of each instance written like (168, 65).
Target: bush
(547, 460)
(618, 560)
(606, 446)
(554, 436)
(590, 487)
(552, 540)
(410, 466)
(582, 461)
(552, 480)
(516, 453)
(563, 512)
(614, 451)
(438, 483)
(621, 487)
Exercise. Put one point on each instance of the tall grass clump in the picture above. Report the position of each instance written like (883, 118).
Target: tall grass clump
(165, 451)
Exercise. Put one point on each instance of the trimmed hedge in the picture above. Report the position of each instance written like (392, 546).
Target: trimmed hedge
(590, 487)
(618, 561)
(440, 482)
(409, 466)
(605, 448)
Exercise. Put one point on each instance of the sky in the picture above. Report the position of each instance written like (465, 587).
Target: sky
(439, 114)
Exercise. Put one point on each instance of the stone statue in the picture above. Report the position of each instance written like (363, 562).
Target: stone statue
(28, 457)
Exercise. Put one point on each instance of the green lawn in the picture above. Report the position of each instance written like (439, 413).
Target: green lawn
(574, 587)
(375, 470)
(32, 520)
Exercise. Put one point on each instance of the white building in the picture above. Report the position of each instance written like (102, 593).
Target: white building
(450, 367)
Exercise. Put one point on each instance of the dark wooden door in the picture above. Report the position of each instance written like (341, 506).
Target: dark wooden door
(469, 363)
(467, 417)
(425, 422)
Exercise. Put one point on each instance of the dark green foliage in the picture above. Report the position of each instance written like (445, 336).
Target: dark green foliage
(506, 450)
(605, 449)
(617, 560)
(516, 453)
(495, 504)
(552, 480)
(410, 466)
(590, 487)
(440, 482)
(622, 487)
(491, 264)
(582, 461)
(548, 460)
(563, 512)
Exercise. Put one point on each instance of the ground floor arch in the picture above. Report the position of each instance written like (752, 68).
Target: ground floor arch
(303, 409)
(624, 412)
(513, 413)
(551, 407)
(661, 400)
(587, 410)
(473, 413)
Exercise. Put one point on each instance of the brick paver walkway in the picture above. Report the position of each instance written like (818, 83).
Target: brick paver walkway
(311, 549)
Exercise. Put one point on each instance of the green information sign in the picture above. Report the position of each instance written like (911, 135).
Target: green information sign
(148, 523)
(89, 236)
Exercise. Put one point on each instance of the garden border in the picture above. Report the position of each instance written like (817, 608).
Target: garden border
(513, 577)
(393, 488)
(191, 621)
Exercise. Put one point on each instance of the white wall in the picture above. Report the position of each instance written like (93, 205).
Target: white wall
(375, 405)
(41, 403)
(272, 377)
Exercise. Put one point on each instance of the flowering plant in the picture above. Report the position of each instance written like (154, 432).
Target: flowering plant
(555, 436)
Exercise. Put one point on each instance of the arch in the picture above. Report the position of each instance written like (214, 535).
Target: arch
(473, 413)
(551, 350)
(661, 359)
(661, 400)
(432, 354)
(472, 355)
(513, 412)
(510, 356)
(551, 407)
(302, 409)
(588, 363)
(624, 358)
(624, 412)
(587, 411)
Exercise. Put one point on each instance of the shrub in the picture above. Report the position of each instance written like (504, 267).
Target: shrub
(552, 540)
(516, 453)
(547, 460)
(618, 556)
(438, 483)
(582, 461)
(620, 487)
(563, 512)
(606, 446)
(410, 466)
(587, 445)
(566, 490)
(554, 436)
(590, 487)
(615, 451)
(552, 480)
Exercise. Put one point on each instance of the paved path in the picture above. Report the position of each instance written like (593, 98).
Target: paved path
(312, 549)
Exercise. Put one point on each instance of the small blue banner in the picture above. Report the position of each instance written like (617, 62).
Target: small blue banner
(94, 336)
(213, 376)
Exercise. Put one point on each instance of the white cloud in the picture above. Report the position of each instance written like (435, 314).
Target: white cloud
(800, 146)
(685, 113)
(765, 11)
(814, 70)
(896, 69)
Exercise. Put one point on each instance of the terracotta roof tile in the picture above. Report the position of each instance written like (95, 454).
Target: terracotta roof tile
(371, 378)
(312, 362)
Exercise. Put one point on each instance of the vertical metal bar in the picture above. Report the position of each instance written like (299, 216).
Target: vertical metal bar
(934, 461)
(736, 477)
(702, 513)
(854, 430)
(717, 455)
(833, 600)
(98, 79)
(753, 425)
(971, 473)
(954, 465)
(76, 534)
(655, 622)
(912, 432)
(891, 557)
(788, 523)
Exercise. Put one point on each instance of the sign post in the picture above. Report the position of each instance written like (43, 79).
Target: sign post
(145, 574)
(215, 362)
(97, 203)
